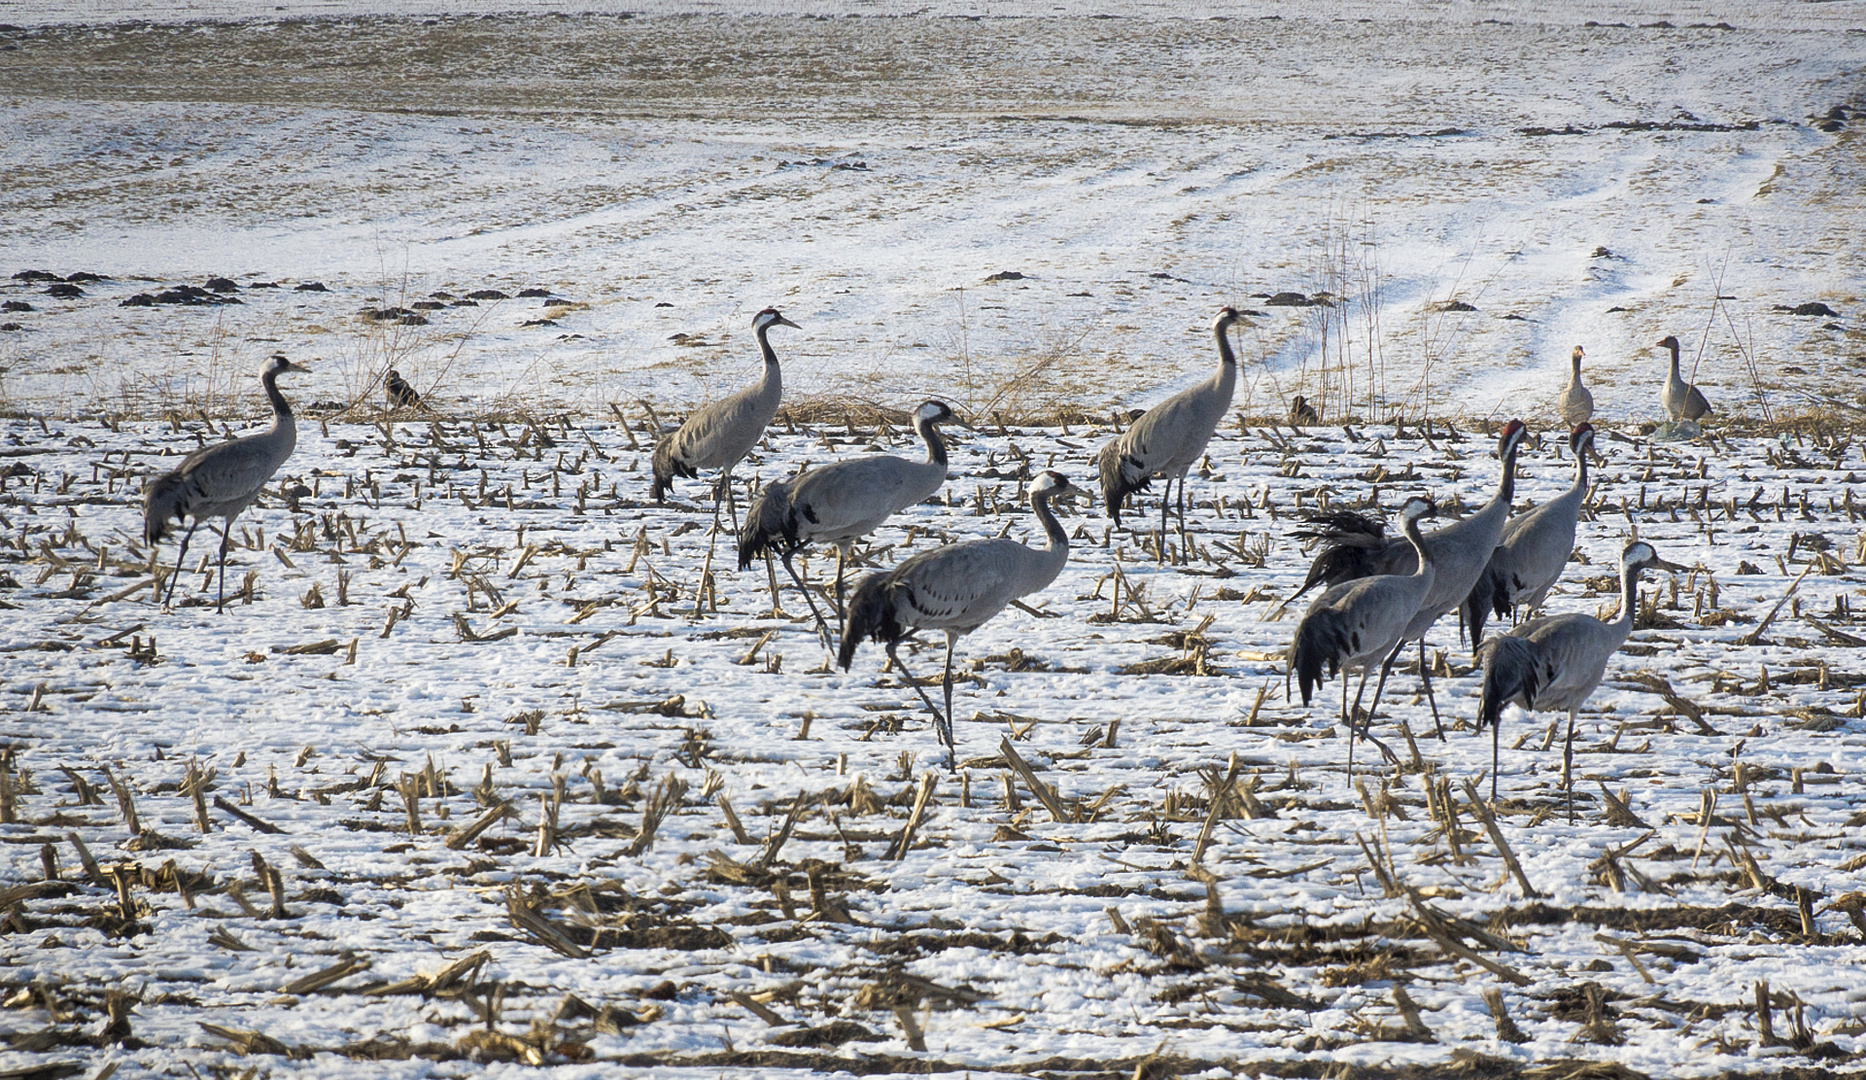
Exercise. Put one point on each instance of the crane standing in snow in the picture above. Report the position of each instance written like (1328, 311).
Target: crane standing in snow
(221, 480)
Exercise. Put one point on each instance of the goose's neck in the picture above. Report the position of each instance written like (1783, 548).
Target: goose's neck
(1673, 349)
(936, 443)
(1577, 367)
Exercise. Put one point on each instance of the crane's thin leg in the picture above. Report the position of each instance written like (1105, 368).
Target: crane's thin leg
(226, 535)
(1347, 717)
(1166, 503)
(1567, 766)
(181, 558)
(1496, 738)
(952, 752)
(940, 724)
(842, 557)
(1438, 726)
(1367, 730)
(822, 628)
(777, 608)
(1182, 513)
(1386, 669)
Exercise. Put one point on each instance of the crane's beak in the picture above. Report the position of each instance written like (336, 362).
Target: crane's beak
(1663, 564)
(782, 321)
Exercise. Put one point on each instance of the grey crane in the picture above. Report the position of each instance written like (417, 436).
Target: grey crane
(221, 480)
(1682, 400)
(1356, 623)
(400, 394)
(956, 588)
(843, 501)
(1576, 403)
(1533, 551)
(1557, 661)
(1170, 437)
(719, 435)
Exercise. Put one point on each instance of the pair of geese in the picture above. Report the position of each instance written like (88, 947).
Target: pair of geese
(1682, 400)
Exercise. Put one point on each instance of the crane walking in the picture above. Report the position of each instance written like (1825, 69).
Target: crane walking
(1356, 623)
(221, 480)
(1170, 437)
(1557, 661)
(719, 435)
(956, 588)
(843, 501)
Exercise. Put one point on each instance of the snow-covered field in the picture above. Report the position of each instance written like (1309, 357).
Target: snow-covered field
(487, 767)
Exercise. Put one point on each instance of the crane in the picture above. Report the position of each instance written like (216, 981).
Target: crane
(1556, 662)
(221, 480)
(1534, 549)
(1682, 400)
(956, 588)
(1171, 436)
(843, 501)
(719, 435)
(1576, 403)
(1357, 622)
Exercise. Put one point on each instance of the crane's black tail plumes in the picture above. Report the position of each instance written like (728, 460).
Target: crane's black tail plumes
(162, 502)
(1489, 596)
(870, 615)
(1509, 675)
(1115, 467)
(1320, 642)
(1351, 543)
(768, 523)
(667, 465)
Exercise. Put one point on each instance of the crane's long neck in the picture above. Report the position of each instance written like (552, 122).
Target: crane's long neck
(936, 443)
(1056, 541)
(1422, 564)
(773, 381)
(1227, 376)
(1629, 598)
(282, 420)
(1580, 469)
(1506, 487)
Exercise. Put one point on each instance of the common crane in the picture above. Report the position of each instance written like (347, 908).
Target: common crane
(221, 480)
(719, 435)
(1356, 623)
(1534, 550)
(1556, 662)
(1682, 400)
(956, 588)
(843, 501)
(1170, 437)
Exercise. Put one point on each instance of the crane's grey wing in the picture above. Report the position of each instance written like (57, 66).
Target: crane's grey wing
(960, 586)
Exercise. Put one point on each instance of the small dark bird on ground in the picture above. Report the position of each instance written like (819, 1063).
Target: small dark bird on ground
(401, 395)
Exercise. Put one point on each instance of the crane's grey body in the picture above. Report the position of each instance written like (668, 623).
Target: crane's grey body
(1533, 551)
(1682, 400)
(1557, 661)
(1168, 439)
(223, 479)
(1356, 623)
(1576, 403)
(843, 501)
(719, 435)
(956, 588)
(1459, 553)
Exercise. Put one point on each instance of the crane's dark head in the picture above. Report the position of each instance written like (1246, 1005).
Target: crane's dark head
(277, 365)
(1512, 437)
(935, 411)
(1669, 342)
(1051, 482)
(1581, 439)
(1419, 506)
(1639, 555)
(1226, 317)
(769, 317)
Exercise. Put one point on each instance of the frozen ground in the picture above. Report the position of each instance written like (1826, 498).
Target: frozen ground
(474, 613)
